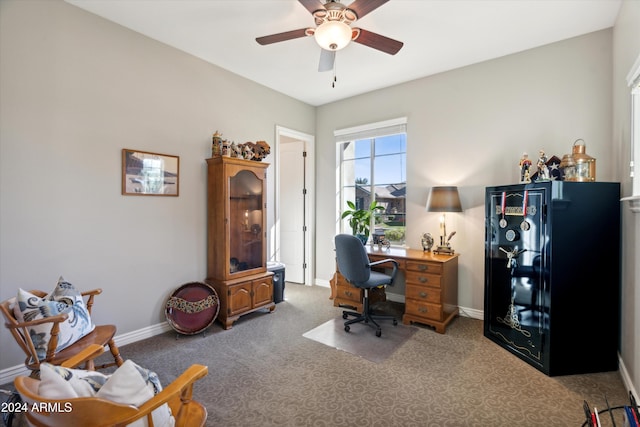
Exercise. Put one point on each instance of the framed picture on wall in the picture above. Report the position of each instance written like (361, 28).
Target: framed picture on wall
(149, 174)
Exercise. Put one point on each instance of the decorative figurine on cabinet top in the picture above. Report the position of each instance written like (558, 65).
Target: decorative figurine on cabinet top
(216, 144)
(543, 170)
(525, 168)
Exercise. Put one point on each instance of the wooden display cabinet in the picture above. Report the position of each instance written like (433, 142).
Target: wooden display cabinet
(236, 237)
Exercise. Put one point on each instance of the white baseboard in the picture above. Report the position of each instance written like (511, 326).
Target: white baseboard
(9, 374)
(626, 379)
(142, 334)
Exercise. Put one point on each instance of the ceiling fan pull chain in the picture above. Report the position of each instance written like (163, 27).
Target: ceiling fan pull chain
(335, 78)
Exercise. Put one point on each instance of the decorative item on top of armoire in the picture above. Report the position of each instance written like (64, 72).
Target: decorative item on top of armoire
(552, 274)
(584, 166)
(236, 237)
(554, 172)
(525, 168)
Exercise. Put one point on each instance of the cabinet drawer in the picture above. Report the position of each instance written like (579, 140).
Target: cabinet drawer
(423, 279)
(422, 293)
(425, 267)
(423, 309)
(349, 293)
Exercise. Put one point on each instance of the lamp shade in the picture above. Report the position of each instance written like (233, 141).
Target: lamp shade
(444, 199)
(333, 35)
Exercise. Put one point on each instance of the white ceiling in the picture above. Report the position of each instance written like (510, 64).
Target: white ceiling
(438, 35)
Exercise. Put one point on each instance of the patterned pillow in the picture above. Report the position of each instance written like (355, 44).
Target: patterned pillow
(130, 384)
(65, 298)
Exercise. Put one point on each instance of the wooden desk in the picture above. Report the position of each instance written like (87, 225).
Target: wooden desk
(431, 286)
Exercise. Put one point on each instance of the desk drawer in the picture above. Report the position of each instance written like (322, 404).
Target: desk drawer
(423, 279)
(424, 266)
(423, 309)
(348, 293)
(422, 294)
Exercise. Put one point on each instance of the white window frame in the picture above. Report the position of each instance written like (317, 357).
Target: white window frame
(367, 131)
(633, 82)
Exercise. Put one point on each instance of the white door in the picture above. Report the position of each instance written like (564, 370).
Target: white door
(292, 209)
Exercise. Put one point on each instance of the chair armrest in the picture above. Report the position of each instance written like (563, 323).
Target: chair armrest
(385, 261)
(53, 319)
(180, 391)
(89, 353)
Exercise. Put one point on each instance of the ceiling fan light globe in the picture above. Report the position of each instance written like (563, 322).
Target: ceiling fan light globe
(333, 35)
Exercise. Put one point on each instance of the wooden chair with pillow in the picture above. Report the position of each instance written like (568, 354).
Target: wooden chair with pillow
(100, 412)
(38, 351)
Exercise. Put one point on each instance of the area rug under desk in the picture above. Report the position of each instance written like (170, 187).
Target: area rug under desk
(362, 340)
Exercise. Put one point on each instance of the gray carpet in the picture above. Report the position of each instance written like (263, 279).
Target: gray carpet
(361, 339)
(263, 372)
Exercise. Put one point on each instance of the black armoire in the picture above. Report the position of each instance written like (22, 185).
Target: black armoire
(552, 274)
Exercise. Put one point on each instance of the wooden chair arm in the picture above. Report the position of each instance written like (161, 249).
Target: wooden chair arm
(58, 318)
(91, 352)
(176, 389)
(92, 292)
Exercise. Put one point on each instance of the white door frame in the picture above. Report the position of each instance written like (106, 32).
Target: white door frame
(310, 202)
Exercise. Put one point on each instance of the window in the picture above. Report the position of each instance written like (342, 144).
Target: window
(373, 160)
(634, 85)
(633, 79)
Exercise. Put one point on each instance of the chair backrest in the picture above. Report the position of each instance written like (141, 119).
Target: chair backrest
(353, 262)
(19, 334)
(20, 331)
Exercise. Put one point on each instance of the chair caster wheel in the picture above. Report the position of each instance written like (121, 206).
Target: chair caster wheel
(378, 333)
(347, 328)
(395, 322)
(344, 315)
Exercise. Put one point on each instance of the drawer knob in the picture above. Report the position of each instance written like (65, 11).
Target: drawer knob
(422, 267)
(422, 309)
(348, 293)
(423, 294)
(423, 279)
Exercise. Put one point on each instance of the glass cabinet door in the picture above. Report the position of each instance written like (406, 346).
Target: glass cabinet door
(245, 222)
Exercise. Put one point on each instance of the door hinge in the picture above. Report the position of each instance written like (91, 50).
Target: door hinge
(304, 154)
(304, 191)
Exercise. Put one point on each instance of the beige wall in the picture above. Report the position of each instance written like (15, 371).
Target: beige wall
(626, 49)
(469, 127)
(76, 89)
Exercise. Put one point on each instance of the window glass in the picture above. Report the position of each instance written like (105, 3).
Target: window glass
(374, 169)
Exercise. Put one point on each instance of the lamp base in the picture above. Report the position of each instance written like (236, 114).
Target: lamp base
(444, 250)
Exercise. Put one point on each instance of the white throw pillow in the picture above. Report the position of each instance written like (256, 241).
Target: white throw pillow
(129, 384)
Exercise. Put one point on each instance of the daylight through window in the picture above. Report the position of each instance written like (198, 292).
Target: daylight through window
(373, 161)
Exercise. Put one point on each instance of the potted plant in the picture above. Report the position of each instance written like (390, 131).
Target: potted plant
(360, 219)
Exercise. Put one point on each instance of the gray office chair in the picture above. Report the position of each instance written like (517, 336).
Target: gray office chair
(355, 267)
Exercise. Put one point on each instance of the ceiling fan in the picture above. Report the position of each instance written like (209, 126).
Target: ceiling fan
(333, 29)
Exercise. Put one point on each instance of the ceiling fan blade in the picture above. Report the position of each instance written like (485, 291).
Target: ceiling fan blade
(327, 59)
(362, 7)
(280, 37)
(312, 5)
(377, 41)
